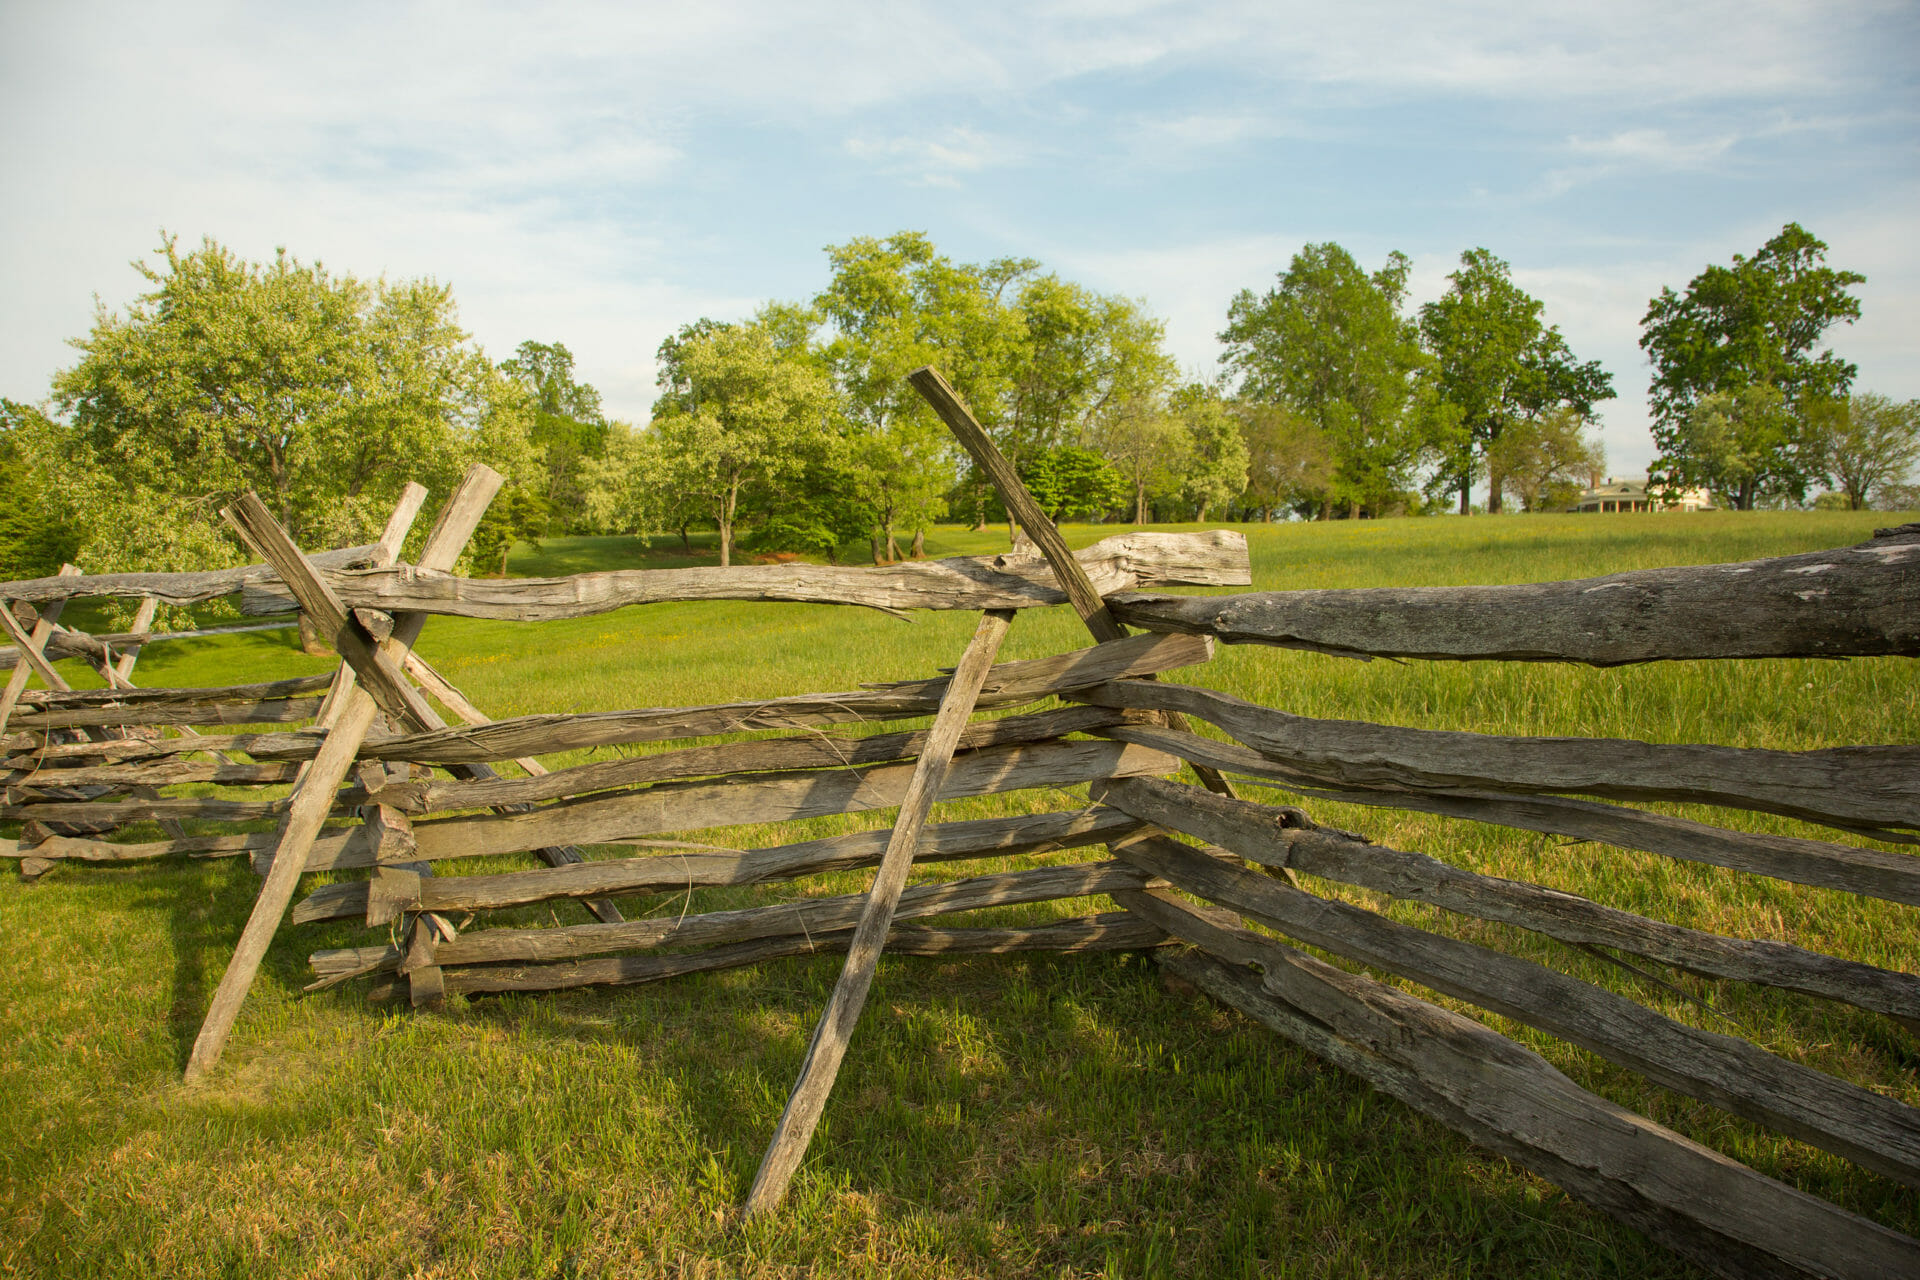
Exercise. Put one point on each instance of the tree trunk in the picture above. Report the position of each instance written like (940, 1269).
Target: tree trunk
(1200, 516)
(919, 544)
(686, 543)
(1466, 496)
(1140, 502)
(873, 542)
(726, 525)
(1493, 492)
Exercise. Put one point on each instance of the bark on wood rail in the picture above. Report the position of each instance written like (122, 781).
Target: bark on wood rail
(1849, 602)
(1275, 837)
(1009, 684)
(1104, 931)
(1217, 558)
(1504, 1097)
(176, 588)
(694, 806)
(803, 916)
(1857, 788)
(673, 872)
(1873, 873)
(1873, 1131)
(766, 755)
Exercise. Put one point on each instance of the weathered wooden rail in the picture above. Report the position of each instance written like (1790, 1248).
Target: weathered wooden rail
(382, 784)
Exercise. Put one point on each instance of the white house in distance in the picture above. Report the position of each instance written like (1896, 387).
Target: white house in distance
(1631, 495)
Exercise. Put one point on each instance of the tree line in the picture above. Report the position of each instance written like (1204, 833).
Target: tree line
(795, 431)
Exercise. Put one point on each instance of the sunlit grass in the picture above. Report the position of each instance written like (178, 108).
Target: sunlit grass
(1019, 1116)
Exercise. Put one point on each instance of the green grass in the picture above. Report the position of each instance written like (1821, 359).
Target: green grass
(1015, 1116)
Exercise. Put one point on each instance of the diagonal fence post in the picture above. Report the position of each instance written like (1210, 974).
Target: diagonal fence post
(1073, 579)
(830, 1037)
(352, 711)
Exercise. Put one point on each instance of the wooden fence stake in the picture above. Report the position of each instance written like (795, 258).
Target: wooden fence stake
(1087, 601)
(30, 659)
(313, 795)
(836, 1025)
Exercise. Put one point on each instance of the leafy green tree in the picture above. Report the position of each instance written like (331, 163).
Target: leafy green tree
(1072, 483)
(568, 430)
(1330, 342)
(893, 305)
(1217, 458)
(1289, 460)
(1754, 323)
(1748, 445)
(36, 535)
(515, 515)
(1546, 461)
(1496, 364)
(1150, 448)
(737, 415)
(1870, 443)
(322, 393)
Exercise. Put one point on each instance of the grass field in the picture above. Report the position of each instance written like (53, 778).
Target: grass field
(1006, 1116)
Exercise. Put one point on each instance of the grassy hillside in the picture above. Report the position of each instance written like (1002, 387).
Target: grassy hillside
(1017, 1116)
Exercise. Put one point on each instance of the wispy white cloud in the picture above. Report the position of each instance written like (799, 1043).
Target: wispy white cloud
(568, 169)
(937, 160)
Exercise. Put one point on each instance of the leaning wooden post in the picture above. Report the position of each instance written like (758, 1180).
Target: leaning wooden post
(23, 665)
(314, 795)
(830, 1037)
(1067, 570)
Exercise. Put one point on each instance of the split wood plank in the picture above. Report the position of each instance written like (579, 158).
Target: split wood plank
(1872, 873)
(1010, 684)
(98, 699)
(313, 796)
(1848, 602)
(173, 588)
(1012, 581)
(1871, 788)
(835, 1030)
(1277, 837)
(1873, 1131)
(1102, 931)
(1086, 598)
(812, 751)
(805, 916)
(703, 866)
(1506, 1098)
(671, 807)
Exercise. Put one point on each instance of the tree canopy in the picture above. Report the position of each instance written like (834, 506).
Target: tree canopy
(322, 393)
(1330, 342)
(1496, 364)
(1755, 323)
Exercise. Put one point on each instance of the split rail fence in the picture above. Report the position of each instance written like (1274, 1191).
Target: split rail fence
(380, 781)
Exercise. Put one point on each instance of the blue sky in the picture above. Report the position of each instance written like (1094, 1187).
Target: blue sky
(601, 174)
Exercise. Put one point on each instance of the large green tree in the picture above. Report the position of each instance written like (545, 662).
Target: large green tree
(1870, 442)
(325, 394)
(1495, 364)
(892, 305)
(1217, 460)
(568, 431)
(1289, 461)
(737, 416)
(1329, 340)
(1755, 323)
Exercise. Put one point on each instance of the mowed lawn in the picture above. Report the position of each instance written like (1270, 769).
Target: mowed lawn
(1069, 1116)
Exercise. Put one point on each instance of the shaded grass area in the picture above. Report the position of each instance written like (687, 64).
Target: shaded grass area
(999, 1116)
